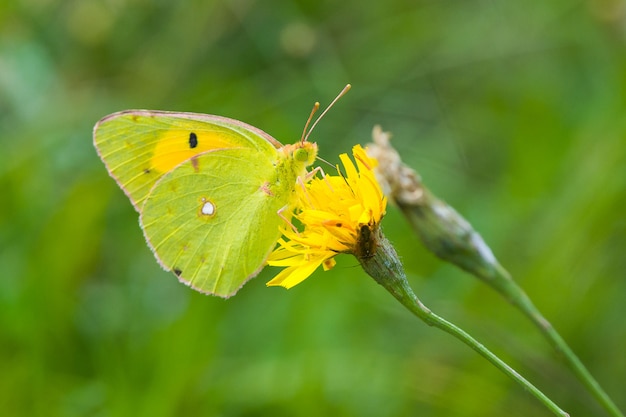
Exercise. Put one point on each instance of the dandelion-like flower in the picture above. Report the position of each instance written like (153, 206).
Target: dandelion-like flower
(336, 212)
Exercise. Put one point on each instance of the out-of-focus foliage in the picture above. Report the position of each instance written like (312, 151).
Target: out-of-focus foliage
(514, 112)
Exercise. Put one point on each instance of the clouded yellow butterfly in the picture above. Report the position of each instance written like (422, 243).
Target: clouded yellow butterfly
(209, 190)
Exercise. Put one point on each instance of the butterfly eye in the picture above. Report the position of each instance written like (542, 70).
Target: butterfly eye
(301, 155)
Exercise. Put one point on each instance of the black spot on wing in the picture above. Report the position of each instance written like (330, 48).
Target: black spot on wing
(193, 140)
(177, 271)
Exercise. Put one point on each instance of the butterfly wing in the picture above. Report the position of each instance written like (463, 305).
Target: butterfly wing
(140, 146)
(213, 221)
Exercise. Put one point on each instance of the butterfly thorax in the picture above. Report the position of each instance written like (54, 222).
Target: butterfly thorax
(291, 164)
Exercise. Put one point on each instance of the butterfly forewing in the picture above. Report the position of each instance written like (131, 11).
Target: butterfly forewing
(140, 146)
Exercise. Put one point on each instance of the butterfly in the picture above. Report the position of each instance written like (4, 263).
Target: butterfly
(211, 192)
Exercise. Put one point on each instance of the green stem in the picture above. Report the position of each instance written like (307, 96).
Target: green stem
(449, 236)
(384, 266)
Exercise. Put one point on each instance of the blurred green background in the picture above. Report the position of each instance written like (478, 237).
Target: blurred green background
(513, 112)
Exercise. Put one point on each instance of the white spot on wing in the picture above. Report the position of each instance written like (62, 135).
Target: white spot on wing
(208, 208)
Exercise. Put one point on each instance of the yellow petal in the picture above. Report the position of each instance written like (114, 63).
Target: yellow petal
(294, 275)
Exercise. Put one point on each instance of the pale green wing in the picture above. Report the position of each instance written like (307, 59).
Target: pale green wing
(213, 220)
(139, 146)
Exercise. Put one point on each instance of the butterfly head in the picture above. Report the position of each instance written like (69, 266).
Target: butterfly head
(302, 152)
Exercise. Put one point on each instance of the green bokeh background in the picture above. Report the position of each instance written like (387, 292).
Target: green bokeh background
(513, 112)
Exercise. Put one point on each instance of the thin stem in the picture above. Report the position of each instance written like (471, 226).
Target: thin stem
(452, 238)
(384, 266)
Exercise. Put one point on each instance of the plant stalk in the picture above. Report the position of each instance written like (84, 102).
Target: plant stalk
(383, 265)
(452, 238)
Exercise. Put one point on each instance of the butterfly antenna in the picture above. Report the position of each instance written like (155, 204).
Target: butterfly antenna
(316, 107)
(325, 161)
(341, 94)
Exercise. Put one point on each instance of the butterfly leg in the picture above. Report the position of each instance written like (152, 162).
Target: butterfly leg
(302, 183)
(314, 172)
(280, 214)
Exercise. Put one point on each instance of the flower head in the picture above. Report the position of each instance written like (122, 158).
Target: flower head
(333, 210)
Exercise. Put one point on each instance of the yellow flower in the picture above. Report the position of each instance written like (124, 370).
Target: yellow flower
(333, 211)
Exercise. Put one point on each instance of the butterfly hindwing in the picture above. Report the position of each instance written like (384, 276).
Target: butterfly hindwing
(211, 225)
